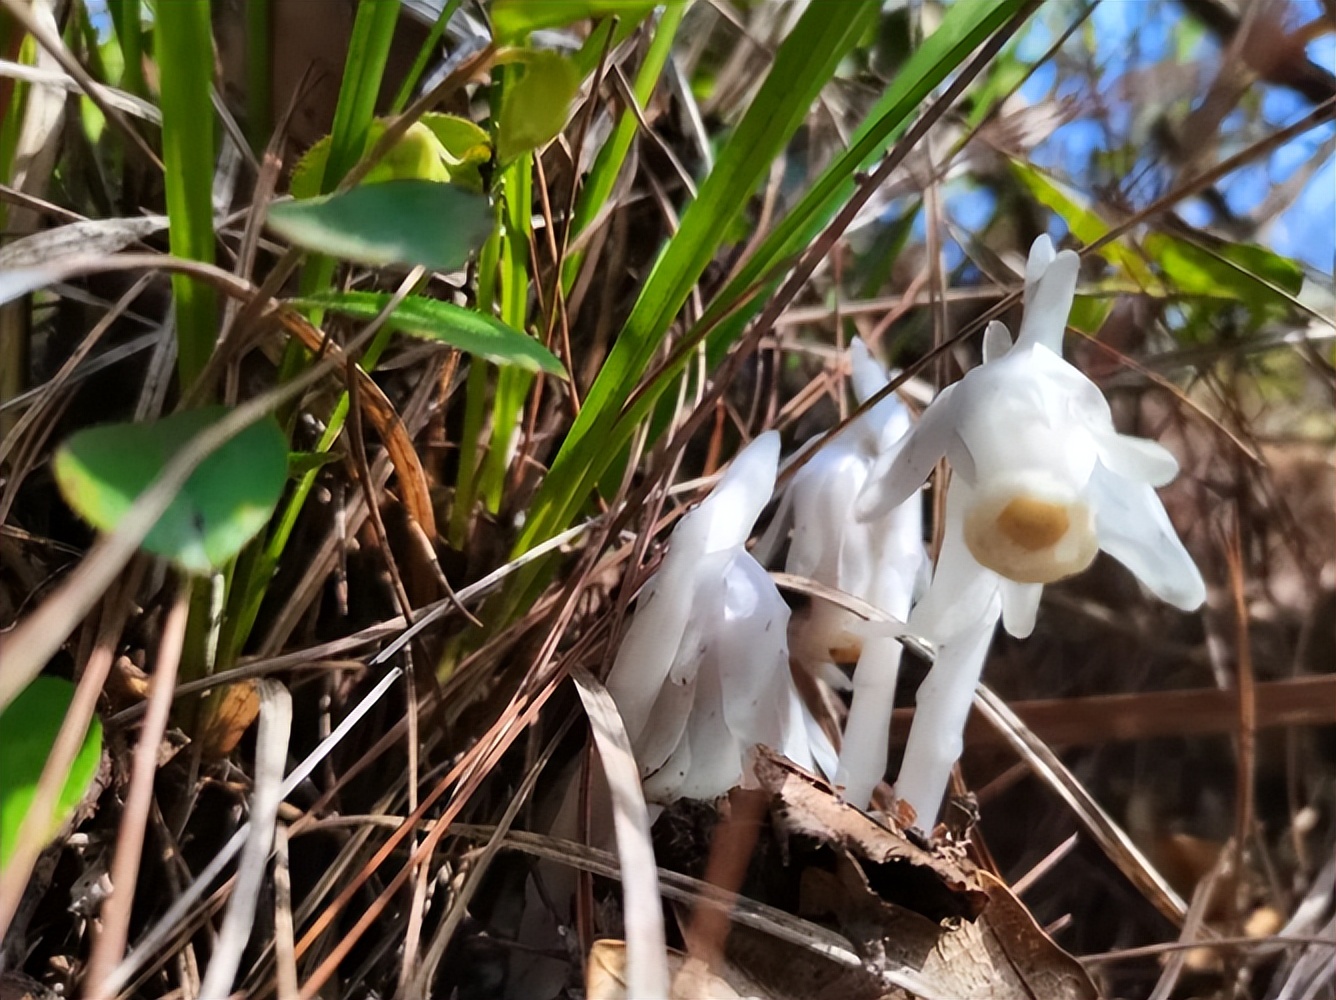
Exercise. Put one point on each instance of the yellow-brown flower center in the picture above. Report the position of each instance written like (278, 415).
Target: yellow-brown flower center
(1033, 524)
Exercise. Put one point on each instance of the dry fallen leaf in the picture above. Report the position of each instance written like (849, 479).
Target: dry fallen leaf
(942, 882)
(605, 978)
(226, 717)
(914, 914)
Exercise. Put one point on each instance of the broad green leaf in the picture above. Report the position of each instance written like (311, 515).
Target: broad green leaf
(228, 499)
(466, 329)
(28, 729)
(535, 107)
(397, 222)
(438, 148)
(512, 20)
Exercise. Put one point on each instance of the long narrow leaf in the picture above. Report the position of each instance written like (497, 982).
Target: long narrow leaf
(804, 63)
(580, 465)
(183, 45)
(466, 329)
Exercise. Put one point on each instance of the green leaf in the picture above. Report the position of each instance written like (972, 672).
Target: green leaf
(535, 108)
(183, 47)
(1248, 274)
(28, 729)
(1085, 223)
(465, 147)
(439, 148)
(398, 222)
(466, 329)
(804, 63)
(228, 499)
(512, 20)
(363, 73)
(1089, 313)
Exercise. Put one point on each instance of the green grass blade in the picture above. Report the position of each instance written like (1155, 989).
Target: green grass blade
(259, 73)
(962, 30)
(183, 46)
(611, 158)
(468, 330)
(512, 385)
(125, 17)
(368, 51)
(804, 63)
(424, 56)
(364, 69)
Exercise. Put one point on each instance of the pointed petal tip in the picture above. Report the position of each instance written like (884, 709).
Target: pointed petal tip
(996, 341)
(1041, 251)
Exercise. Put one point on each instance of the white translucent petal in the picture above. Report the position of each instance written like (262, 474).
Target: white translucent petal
(1049, 301)
(667, 724)
(943, 704)
(717, 753)
(665, 784)
(1020, 606)
(899, 473)
(750, 650)
(996, 341)
(866, 373)
(1134, 528)
(729, 513)
(1137, 458)
(1041, 255)
(648, 650)
(823, 493)
(1017, 414)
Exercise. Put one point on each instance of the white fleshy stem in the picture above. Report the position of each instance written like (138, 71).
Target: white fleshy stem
(936, 737)
(867, 732)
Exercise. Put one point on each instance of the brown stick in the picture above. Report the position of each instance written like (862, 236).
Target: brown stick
(1300, 701)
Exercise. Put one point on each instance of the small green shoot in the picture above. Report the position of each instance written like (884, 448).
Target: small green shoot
(183, 47)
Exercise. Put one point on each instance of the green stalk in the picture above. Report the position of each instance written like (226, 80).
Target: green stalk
(424, 55)
(512, 384)
(256, 565)
(184, 51)
(125, 17)
(259, 73)
(608, 164)
(475, 400)
(364, 69)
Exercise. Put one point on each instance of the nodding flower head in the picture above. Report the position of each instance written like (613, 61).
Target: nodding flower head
(702, 675)
(1043, 480)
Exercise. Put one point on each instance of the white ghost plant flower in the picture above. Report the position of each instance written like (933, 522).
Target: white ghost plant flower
(880, 561)
(702, 675)
(1041, 481)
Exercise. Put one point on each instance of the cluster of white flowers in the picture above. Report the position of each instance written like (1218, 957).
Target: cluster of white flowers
(1041, 481)
(702, 675)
